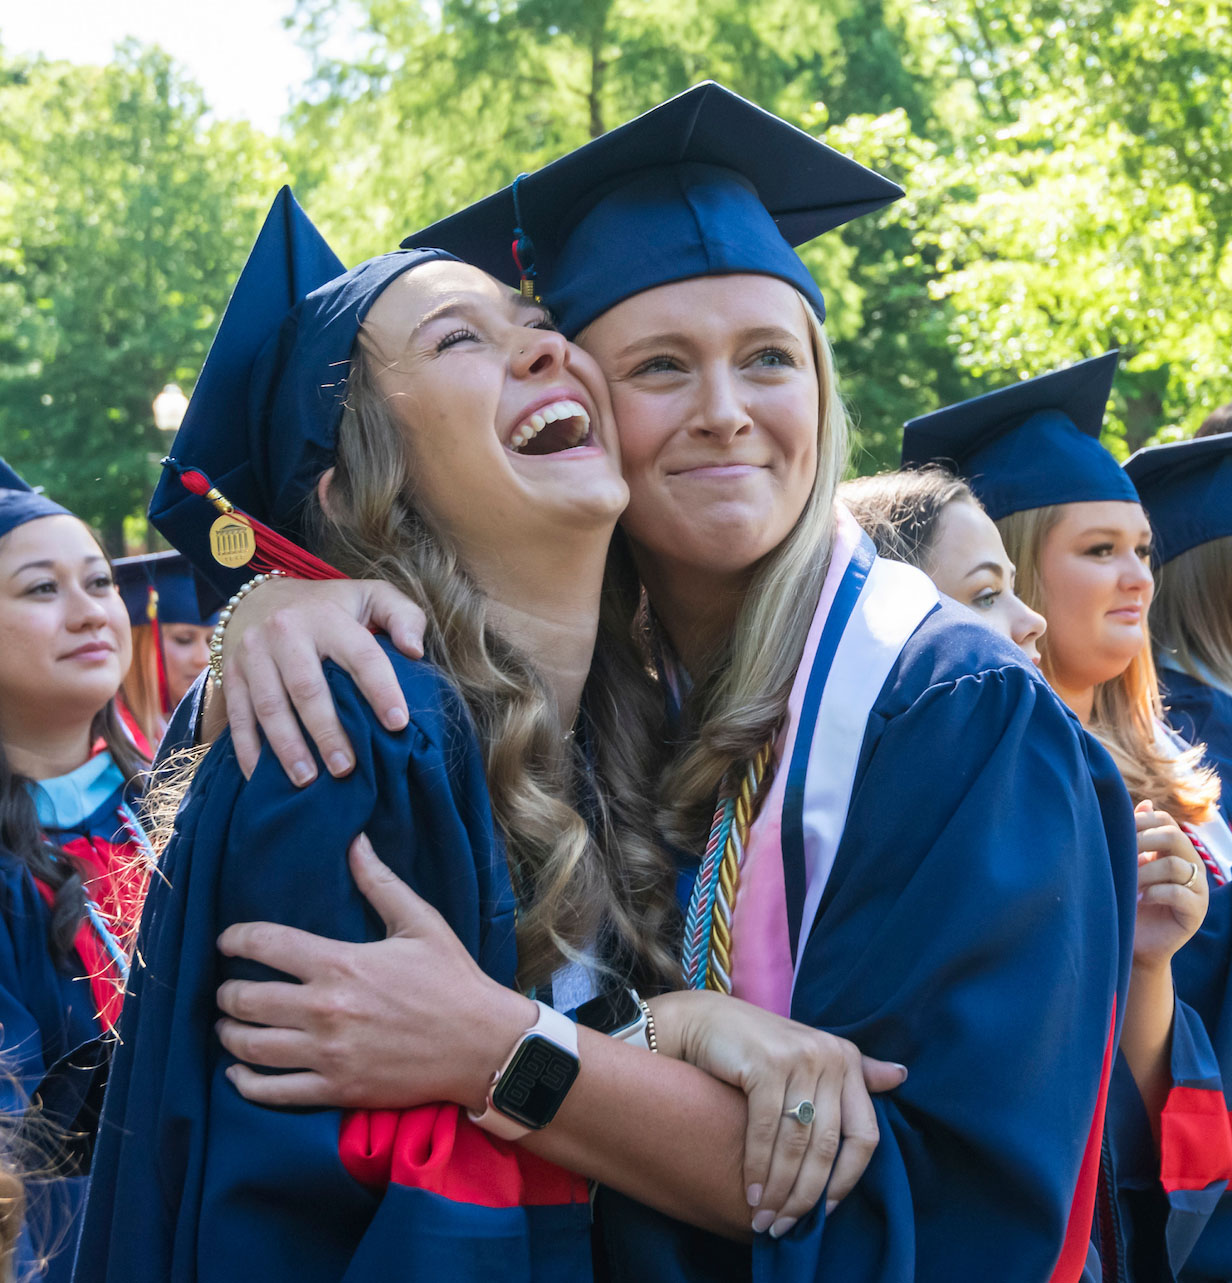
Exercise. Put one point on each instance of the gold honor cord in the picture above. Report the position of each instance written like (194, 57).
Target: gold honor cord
(719, 962)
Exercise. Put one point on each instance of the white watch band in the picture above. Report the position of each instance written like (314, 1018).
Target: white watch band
(556, 1028)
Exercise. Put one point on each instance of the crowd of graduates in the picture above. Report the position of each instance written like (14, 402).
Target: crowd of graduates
(541, 823)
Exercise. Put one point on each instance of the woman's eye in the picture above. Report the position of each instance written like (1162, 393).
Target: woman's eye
(1100, 550)
(774, 357)
(101, 583)
(545, 323)
(657, 365)
(461, 335)
(986, 600)
(1144, 552)
(44, 588)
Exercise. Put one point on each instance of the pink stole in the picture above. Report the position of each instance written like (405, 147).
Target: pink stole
(892, 603)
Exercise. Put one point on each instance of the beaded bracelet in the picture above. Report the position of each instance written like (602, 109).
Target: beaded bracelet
(651, 1040)
(224, 618)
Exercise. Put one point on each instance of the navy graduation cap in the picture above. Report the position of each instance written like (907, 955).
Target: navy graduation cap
(1030, 445)
(161, 587)
(261, 426)
(1186, 489)
(20, 503)
(705, 184)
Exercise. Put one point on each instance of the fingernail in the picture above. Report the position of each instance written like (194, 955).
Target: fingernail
(230, 1072)
(339, 763)
(831, 1204)
(781, 1226)
(303, 773)
(396, 718)
(762, 1222)
(902, 1069)
(753, 1194)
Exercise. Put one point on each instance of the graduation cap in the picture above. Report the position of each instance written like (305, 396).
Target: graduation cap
(1186, 489)
(705, 184)
(20, 503)
(261, 426)
(161, 587)
(1030, 445)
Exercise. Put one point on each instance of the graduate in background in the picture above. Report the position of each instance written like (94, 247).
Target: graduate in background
(171, 639)
(1076, 532)
(901, 801)
(1186, 489)
(73, 857)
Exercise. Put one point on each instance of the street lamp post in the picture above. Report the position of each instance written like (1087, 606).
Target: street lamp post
(168, 408)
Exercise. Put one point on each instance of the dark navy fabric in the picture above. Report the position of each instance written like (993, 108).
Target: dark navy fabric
(263, 419)
(1202, 714)
(1029, 445)
(51, 1049)
(1201, 972)
(976, 927)
(1186, 489)
(1144, 1234)
(192, 1182)
(704, 184)
(172, 578)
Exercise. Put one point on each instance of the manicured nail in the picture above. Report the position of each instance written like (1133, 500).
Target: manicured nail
(781, 1226)
(396, 718)
(303, 773)
(902, 1069)
(831, 1204)
(753, 1194)
(339, 763)
(230, 1071)
(762, 1222)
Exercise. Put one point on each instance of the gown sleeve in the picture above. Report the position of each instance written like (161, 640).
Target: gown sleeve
(975, 928)
(194, 1183)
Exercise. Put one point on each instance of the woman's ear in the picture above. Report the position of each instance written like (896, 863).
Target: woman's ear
(323, 485)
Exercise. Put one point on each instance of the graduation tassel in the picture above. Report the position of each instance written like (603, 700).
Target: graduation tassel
(160, 658)
(237, 539)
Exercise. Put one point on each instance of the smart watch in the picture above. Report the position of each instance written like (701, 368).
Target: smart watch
(619, 1013)
(533, 1082)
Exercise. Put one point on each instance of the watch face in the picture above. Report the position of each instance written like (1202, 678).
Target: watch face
(610, 1012)
(539, 1076)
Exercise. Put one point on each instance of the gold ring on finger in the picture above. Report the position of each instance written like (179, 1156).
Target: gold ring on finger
(1193, 873)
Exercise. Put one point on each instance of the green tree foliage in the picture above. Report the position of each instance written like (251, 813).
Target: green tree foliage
(126, 215)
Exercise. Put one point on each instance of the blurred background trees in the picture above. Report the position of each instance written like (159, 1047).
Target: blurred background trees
(1068, 169)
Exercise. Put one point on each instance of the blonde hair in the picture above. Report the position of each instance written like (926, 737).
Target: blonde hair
(139, 689)
(738, 704)
(1191, 616)
(576, 884)
(901, 511)
(1127, 708)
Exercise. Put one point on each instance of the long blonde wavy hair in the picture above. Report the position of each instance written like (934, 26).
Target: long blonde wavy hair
(1127, 708)
(738, 704)
(1191, 616)
(577, 883)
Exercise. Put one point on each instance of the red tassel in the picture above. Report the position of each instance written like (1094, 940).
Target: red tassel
(274, 551)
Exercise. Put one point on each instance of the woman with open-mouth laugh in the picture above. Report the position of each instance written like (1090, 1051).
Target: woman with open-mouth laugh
(530, 841)
(875, 802)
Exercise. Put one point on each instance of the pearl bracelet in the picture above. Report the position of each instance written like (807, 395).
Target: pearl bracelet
(224, 618)
(652, 1040)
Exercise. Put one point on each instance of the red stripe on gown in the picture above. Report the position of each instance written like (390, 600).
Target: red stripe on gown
(437, 1148)
(1073, 1256)
(1195, 1139)
(114, 876)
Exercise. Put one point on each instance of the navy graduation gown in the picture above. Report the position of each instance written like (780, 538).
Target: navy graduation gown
(976, 927)
(51, 1039)
(1202, 714)
(193, 1183)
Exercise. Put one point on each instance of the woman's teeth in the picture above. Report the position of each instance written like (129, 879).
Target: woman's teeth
(570, 415)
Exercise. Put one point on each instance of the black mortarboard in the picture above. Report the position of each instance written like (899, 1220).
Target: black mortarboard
(1030, 445)
(19, 503)
(1186, 489)
(263, 419)
(162, 586)
(704, 184)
